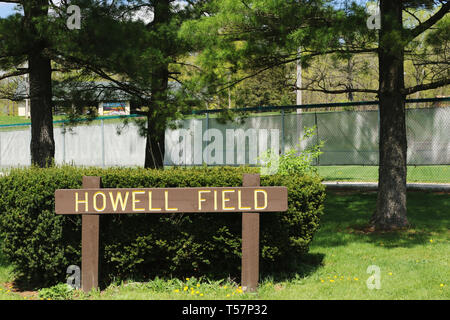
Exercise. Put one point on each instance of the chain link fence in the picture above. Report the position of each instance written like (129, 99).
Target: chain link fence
(349, 132)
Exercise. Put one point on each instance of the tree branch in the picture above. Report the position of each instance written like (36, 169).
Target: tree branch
(348, 90)
(13, 74)
(427, 86)
(430, 22)
(286, 61)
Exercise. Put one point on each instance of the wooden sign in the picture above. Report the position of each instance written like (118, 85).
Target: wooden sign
(93, 201)
(170, 200)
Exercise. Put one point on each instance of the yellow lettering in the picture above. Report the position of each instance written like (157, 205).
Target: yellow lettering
(256, 199)
(226, 199)
(115, 202)
(96, 208)
(240, 202)
(166, 200)
(200, 199)
(85, 201)
(215, 199)
(133, 195)
(150, 203)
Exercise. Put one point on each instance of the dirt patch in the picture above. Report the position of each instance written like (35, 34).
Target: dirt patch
(24, 294)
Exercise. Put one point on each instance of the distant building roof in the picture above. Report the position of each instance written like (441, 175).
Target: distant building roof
(85, 91)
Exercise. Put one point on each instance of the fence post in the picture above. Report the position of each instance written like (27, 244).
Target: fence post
(63, 143)
(103, 143)
(206, 160)
(282, 131)
(317, 135)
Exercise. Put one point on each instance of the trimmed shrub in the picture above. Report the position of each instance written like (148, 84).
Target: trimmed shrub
(41, 245)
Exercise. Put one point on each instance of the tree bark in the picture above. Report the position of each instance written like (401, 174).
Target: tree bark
(391, 202)
(156, 120)
(155, 147)
(41, 107)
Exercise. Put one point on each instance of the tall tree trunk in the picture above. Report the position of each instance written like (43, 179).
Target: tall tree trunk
(391, 202)
(42, 142)
(155, 147)
(156, 120)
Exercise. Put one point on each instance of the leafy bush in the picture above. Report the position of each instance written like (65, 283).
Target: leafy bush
(41, 245)
(61, 291)
(294, 161)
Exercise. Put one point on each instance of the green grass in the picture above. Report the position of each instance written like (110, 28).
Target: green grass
(6, 276)
(11, 120)
(437, 174)
(414, 263)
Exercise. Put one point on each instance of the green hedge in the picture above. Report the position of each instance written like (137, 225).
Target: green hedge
(41, 245)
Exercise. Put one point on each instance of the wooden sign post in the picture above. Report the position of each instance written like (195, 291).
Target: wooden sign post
(90, 237)
(93, 201)
(250, 241)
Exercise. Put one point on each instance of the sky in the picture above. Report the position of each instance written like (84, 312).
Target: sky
(6, 9)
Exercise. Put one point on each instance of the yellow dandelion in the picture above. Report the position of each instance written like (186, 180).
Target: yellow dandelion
(335, 277)
(187, 279)
(331, 280)
(225, 287)
(390, 273)
(228, 295)
(197, 292)
(198, 285)
(441, 285)
(431, 240)
(176, 290)
(321, 280)
(185, 288)
(8, 291)
(201, 294)
(356, 279)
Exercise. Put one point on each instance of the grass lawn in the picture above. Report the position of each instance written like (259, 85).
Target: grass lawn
(413, 264)
(437, 174)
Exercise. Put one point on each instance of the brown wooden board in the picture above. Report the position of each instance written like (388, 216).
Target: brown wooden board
(170, 200)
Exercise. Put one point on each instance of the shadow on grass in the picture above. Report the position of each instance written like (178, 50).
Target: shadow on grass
(306, 265)
(347, 214)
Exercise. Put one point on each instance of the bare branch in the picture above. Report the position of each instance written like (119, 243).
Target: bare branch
(430, 22)
(14, 74)
(336, 91)
(427, 86)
